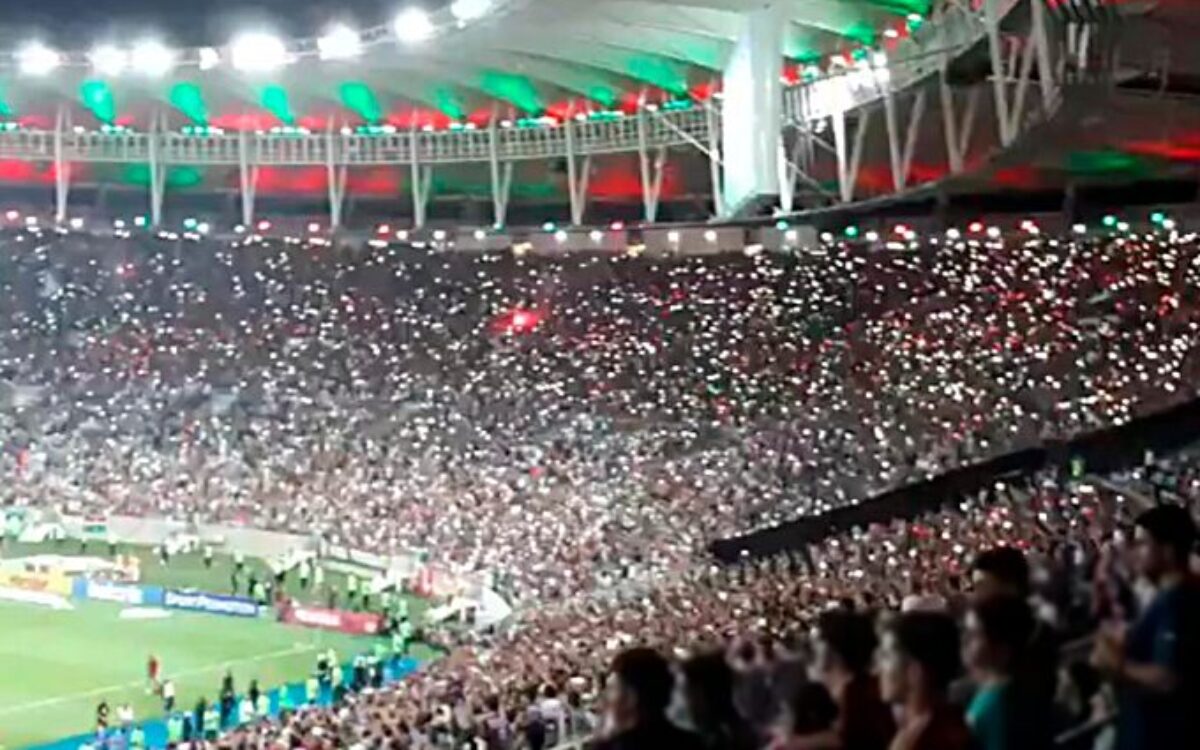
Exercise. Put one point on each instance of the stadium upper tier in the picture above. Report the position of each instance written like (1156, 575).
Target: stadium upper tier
(789, 105)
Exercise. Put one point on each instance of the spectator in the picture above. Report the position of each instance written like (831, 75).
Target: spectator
(1156, 662)
(1007, 711)
(640, 688)
(708, 693)
(919, 657)
(1001, 571)
(844, 645)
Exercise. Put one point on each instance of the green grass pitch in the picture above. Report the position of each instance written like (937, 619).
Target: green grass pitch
(56, 665)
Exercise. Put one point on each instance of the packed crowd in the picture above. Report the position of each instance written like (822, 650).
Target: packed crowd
(574, 422)
(780, 653)
(564, 422)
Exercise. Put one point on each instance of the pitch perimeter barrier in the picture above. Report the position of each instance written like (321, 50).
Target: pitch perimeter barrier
(1101, 451)
(52, 582)
(216, 604)
(352, 623)
(119, 593)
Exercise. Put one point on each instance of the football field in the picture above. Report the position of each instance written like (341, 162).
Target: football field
(56, 665)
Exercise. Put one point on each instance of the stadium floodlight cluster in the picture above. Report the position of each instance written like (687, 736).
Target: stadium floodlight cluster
(250, 52)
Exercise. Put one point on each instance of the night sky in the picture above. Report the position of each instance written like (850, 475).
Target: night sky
(81, 23)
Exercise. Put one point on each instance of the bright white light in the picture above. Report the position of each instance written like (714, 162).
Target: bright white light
(264, 225)
(36, 59)
(203, 227)
(439, 234)
(469, 10)
(710, 236)
(314, 227)
(339, 43)
(109, 60)
(209, 58)
(560, 236)
(872, 236)
(993, 232)
(791, 236)
(118, 224)
(1079, 229)
(76, 223)
(257, 52)
(480, 235)
(953, 233)
(151, 58)
(596, 235)
(673, 237)
(412, 25)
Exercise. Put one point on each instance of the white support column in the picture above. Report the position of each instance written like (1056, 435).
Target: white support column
(893, 138)
(651, 171)
(752, 116)
(62, 167)
(1047, 71)
(715, 165)
(158, 171)
(1017, 113)
(991, 19)
(916, 117)
(336, 177)
(849, 159)
(954, 156)
(247, 178)
(422, 179)
(501, 176)
(577, 184)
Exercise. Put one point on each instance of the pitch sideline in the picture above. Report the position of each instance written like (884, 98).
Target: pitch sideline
(46, 702)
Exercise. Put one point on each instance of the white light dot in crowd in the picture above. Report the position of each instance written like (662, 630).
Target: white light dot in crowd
(264, 225)
(480, 235)
(412, 25)
(673, 237)
(339, 43)
(31, 221)
(151, 58)
(872, 236)
(1122, 226)
(109, 60)
(596, 235)
(617, 226)
(826, 237)
(710, 236)
(139, 221)
(36, 59)
(993, 232)
(469, 10)
(209, 58)
(891, 33)
(257, 52)
(439, 234)
(791, 235)
(203, 227)
(402, 235)
(313, 227)
(118, 224)
(1168, 224)
(76, 223)
(560, 236)
(239, 229)
(384, 229)
(1079, 229)
(953, 233)
(12, 215)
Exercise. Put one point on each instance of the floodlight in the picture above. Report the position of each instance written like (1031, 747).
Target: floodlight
(412, 25)
(469, 10)
(209, 58)
(339, 43)
(36, 59)
(257, 52)
(151, 58)
(109, 60)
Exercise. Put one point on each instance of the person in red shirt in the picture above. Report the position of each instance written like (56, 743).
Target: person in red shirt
(918, 659)
(152, 673)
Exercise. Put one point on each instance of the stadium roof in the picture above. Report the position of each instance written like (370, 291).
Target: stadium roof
(529, 57)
